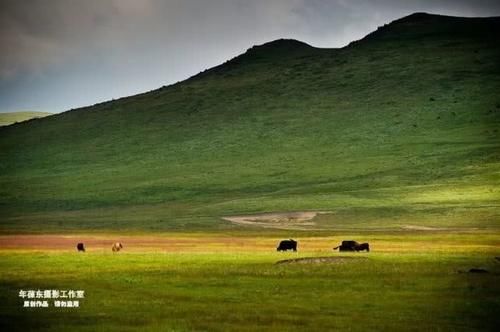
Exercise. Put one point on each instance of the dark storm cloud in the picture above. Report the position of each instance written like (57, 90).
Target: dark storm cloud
(57, 54)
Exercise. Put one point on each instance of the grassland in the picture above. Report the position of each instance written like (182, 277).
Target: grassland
(8, 118)
(229, 282)
(402, 125)
(395, 136)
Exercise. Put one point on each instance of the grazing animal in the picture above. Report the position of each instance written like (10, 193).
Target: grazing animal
(287, 245)
(117, 246)
(362, 246)
(80, 247)
(347, 246)
(352, 246)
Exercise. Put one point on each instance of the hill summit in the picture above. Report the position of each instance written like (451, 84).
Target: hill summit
(280, 47)
(398, 128)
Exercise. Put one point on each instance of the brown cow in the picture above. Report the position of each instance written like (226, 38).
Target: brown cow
(117, 246)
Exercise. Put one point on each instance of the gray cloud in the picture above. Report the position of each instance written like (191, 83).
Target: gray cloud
(58, 54)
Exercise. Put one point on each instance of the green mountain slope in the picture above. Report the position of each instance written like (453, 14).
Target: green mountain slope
(399, 128)
(13, 117)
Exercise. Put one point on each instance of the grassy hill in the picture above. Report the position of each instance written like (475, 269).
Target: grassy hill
(13, 117)
(397, 129)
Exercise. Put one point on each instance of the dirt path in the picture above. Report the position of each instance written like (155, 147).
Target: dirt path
(131, 243)
(200, 243)
(183, 243)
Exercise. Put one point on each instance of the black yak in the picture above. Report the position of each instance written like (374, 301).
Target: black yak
(362, 246)
(80, 247)
(347, 246)
(352, 246)
(287, 245)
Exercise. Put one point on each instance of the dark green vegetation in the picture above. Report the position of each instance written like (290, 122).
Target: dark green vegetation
(13, 117)
(402, 286)
(398, 128)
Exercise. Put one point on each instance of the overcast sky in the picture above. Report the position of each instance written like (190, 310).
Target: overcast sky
(61, 54)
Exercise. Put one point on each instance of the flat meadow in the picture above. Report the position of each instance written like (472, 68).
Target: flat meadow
(411, 280)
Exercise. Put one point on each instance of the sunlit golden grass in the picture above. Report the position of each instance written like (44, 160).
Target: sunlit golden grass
(239, 241)
(13, 117)
(228, 282)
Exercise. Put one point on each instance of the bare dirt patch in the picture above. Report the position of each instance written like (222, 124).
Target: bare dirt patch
(320, 260)
(280, 220)
(423, 228)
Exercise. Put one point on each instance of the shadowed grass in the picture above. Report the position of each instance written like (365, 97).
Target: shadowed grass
(402, 123)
